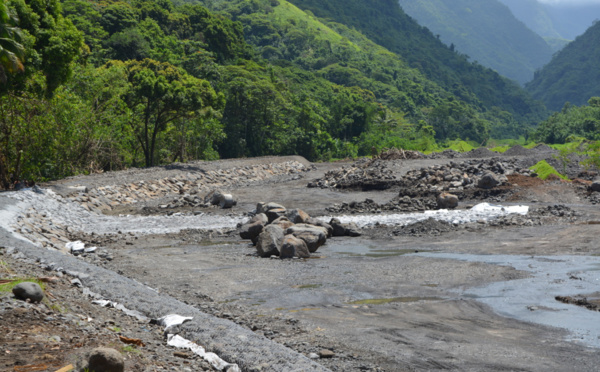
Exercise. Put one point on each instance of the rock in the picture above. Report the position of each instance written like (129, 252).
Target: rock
(104, 360)
(213, 197)
(251, 230)
(265, 207)
(595, 186)
(316, 222)
(273, 214)
(28, 291)
(283, 222)
(226, 201)
(488, 181)
(260, 217)
(352, 230)
(325, 353)
(338, 227)
(447, 201)
(294, 247)
(313, 236)
(270, 241)
(297, 216)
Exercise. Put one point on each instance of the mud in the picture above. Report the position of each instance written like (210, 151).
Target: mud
(399, 298)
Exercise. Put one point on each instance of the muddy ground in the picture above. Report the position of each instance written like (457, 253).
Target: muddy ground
(379, 302)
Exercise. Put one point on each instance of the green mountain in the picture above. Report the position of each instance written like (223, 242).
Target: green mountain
(572, 75)
(487, 31)
(384, 22)
(557, 23)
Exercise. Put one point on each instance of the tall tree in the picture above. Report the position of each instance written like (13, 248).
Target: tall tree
(159, 94)
(12, 52)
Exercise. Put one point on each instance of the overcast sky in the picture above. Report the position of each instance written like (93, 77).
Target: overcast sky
(570, 2)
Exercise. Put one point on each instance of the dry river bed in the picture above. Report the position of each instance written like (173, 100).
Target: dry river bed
(475, 297)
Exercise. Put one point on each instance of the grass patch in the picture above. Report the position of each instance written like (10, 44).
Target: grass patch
(500, 149)
(5, 269)
(130, 349)
(7, 287)
(544, 170)
(461, 146)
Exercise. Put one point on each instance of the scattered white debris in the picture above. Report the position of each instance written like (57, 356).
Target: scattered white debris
(76, 246)
(172, 320)
(212, 358)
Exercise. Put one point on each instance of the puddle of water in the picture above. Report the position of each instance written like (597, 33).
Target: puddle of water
(383, 301)
(360, 249)
(550, 277)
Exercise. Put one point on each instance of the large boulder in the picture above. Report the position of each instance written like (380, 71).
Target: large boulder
(447, 201)
(297, 216)
(283, 222)
(294, 247)
(265, 207)
(103, 360)
(488, 181)
(316, 222)
(217, 197)
(273, 214)
(313, 236)
(343, 229)
(251, 230)
(270, 241)
(28, 291)
(595, 186)
(260, 217)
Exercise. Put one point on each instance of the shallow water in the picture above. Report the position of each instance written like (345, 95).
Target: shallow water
(533, 299)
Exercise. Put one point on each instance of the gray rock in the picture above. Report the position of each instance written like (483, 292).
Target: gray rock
(274, 214)
(297, 216)
(265, 207)
(226, 201)
(251, 230)
(325, 353)
(294, 247)
(316, 222)
(338, 227)
(104, 360)
(313, 236)
(260, 217)
(270, 241)
(447, 201)
(352, 230)
(488, 181)
(283, 222)
(28, 291)
(595, 186)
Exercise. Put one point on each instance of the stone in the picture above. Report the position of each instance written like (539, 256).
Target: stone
(352, 230)
(326, 353)
(447, 201)
(294, 247)
(317, 222)
(251, 230)
(488, 181)
(104, 360)
(297, 216)
(28, 291)
(273, 214)
(338, 227)
(265, 207)
(270, 241)
(283, 222)
(227, 201)
(260, 217)
(595, 186)
(313, 236)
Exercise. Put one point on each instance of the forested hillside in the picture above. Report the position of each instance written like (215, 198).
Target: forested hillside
(384, 22)
(558, 24)
(97, 85)
(572, 75)
(487, 31)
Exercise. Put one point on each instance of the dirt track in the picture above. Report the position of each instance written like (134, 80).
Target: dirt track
(372, 300)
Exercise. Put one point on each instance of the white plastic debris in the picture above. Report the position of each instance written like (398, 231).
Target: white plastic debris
(172, 320)
(212, 358)
(76, 246)
(90, 249)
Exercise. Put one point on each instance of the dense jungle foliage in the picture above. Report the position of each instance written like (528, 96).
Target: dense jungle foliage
(487, 31)
(572, 75)
(99, 85)
(570, 123)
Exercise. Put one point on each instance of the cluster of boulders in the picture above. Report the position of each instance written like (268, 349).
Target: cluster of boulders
(277, 231)
(193, 199)
(399, 154)
(363, 174)
(187, 185)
